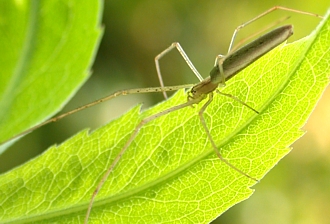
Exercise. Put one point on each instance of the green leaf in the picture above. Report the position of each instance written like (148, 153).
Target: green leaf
(47, 50)
(170, 172)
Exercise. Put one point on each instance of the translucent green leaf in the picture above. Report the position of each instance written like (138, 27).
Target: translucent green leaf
(47, 48)
(170, 172)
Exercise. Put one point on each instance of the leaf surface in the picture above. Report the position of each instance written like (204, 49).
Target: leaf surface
(49, 47)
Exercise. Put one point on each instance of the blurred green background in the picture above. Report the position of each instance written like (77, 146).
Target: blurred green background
(297, 190)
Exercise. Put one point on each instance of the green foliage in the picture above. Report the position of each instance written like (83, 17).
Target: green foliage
(47, 49)
(170, 172)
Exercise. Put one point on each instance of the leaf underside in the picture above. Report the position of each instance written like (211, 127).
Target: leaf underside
(170, 172)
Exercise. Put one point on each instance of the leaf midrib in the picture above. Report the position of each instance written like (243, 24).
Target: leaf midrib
(24, 60)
